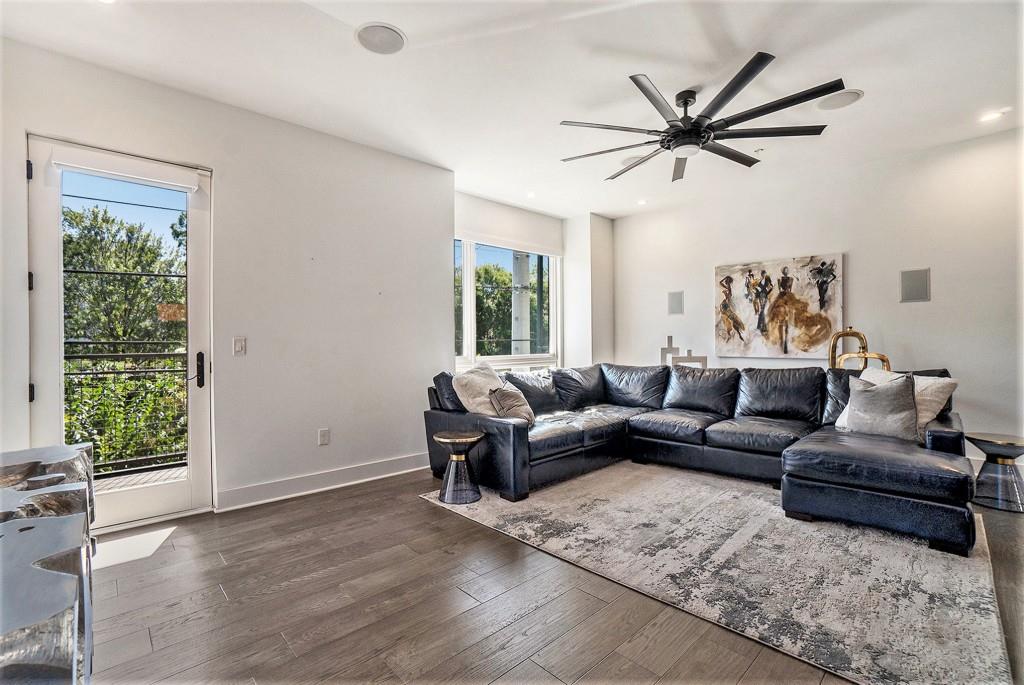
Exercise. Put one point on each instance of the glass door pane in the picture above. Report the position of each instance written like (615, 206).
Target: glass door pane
(126, 327)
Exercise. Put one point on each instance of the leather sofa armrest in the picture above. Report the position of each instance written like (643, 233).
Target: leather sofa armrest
(501, 460)
(945, 434)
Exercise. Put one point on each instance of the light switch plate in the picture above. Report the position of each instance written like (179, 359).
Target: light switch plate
(323, 437)
(238, 346)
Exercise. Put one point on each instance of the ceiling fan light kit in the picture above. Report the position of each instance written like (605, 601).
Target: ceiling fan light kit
(685, 136)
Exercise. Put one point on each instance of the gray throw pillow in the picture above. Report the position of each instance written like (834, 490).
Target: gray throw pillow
(510, 403)
(886, 409)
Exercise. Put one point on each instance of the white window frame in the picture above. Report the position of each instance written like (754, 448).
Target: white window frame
(469, 358)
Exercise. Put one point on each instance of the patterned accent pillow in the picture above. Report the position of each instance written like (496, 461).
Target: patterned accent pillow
(887, 409)
(510, 403)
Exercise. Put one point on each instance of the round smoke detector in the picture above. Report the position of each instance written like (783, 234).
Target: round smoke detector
(384, 39)
(843, 98)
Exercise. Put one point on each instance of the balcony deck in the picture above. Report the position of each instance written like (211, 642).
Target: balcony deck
(132, 480)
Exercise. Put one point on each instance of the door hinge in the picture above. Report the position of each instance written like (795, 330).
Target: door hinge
(31, 392)
(28, 169)
(31, 281)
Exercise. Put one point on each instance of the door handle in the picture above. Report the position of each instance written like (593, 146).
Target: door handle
(200, 370)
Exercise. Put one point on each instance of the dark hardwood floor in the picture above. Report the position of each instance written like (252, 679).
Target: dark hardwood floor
(371, 584)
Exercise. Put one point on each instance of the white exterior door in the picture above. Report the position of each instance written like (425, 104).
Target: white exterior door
(119, 249)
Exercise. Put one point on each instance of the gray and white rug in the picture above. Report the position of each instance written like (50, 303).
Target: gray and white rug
(868, 605)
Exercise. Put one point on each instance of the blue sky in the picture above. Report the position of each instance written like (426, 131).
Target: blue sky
(162, 205)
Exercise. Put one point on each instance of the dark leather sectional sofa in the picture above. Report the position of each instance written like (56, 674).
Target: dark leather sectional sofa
(772, 425)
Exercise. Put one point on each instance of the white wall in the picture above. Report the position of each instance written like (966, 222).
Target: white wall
(334, 259)
(490, 222)
(953, 209)
(588, 288)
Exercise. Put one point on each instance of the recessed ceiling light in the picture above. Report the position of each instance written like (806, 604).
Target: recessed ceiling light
(993, 115)
(843, 98)
(641, 202)
(384, 39)
(531, 195)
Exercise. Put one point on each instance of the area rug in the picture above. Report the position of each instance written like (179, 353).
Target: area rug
(871, 606)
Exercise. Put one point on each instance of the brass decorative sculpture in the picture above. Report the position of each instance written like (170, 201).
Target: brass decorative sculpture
(836, 360)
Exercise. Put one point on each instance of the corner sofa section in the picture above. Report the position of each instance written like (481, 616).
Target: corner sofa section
(772, 425)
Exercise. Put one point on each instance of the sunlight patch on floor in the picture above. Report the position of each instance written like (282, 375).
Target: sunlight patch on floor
(129, 547)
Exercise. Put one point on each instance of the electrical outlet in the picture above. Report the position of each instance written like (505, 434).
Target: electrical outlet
(323, 437)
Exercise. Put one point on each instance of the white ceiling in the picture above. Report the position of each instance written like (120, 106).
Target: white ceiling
(481, 87)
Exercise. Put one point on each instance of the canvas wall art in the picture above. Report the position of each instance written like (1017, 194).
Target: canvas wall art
(779, 308)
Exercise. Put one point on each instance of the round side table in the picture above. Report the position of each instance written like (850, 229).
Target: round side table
(1000, 483)
(458, 486)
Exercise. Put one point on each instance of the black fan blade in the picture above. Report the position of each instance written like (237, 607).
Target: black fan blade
(614, 149)
(771, 132)
(657, 99)
(679, 168)
(740, 81)
(635, 164)
(781, 103)
(628, 129)
(730, 154)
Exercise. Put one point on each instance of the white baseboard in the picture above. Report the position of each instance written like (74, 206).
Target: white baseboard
(262, 493)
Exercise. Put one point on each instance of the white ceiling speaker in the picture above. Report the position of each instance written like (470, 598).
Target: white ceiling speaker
(381, 38)
(843, 98)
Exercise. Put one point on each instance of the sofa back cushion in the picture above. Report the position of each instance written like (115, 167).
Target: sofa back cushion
(837, 393)
(635, 386)
(579, 387)
(712, 390)
(446, 396)
(781, 393)
(538, 388)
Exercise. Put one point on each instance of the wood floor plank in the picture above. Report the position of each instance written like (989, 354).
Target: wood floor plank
(579, 650)
(510, 575)
(732, 640)
(615, 668)
(376, 596)
(412, 657)
(528, 673)
(492, 656)
(101, 591)
(602, 588)
(706, 662)
(144, 617)
(236, 666)
(338, 656)
(124, 648)
(771, 667)
(306, 587)
(658, 644)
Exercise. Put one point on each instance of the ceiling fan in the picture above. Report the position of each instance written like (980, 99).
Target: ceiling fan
(686, 135)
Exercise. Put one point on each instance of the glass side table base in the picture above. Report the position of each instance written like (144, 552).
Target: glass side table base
(1000, 486)
(458, 485)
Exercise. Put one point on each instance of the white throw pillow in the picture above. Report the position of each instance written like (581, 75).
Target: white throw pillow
(930, 394)
(474, 388)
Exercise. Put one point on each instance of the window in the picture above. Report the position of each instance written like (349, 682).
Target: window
(510, 315)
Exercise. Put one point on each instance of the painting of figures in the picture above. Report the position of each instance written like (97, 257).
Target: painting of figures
(779, 308)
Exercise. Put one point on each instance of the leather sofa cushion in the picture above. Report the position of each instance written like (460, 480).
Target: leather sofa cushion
(885, 464)
(579, 387)
(757, 433)
(781, 393)
(554, 433)
(446, 396)
(837, 393)
(677, 425)
(601, 422)
(703, 390)
(539, 390)
(635, 386)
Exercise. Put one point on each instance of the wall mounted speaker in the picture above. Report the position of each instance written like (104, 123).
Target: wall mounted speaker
(916, 285)
(675, 302)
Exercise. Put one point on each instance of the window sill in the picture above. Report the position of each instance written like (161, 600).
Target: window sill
(519, 362)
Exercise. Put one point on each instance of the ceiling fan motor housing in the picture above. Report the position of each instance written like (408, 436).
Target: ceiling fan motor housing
(672, 139)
